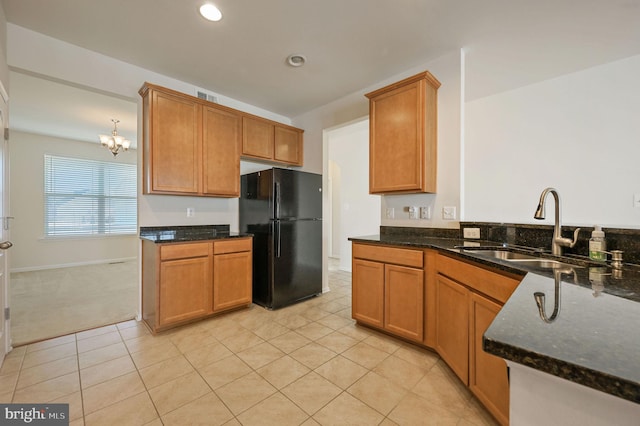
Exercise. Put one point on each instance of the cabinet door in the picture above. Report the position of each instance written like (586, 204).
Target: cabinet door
(185, 290)
(174, 144)
(403, 304)
(257, 138)
(221, 152)
(288, 145)
(367, 289)
(232, 280)
(396, 140)
(488, 377)
(452, 325)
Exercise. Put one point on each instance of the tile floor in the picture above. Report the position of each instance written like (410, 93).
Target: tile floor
(307, 364)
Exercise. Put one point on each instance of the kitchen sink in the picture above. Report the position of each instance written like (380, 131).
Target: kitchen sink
(522, 258)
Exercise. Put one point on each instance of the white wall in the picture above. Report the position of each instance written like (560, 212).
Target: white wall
(578, 133)
(30, 250)
(358, 211)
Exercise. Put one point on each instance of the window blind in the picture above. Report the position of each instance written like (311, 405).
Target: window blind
(87, 197)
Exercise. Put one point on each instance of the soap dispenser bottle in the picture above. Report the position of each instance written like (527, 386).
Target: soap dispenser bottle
(597, 245)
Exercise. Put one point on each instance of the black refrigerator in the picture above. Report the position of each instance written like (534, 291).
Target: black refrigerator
(282, 208)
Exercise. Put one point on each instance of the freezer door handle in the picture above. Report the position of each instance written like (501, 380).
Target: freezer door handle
(276, 200)
(277, 240)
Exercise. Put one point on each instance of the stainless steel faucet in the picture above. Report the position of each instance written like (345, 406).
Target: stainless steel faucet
(558, 241)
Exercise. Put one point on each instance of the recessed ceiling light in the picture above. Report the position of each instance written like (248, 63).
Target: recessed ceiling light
(296, 60)
(210, 12)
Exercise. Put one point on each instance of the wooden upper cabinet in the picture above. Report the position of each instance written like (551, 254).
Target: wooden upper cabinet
(403, 136)
(222, 136)
(267, 140)
(288, 145)
(175, 144)
(257, 137)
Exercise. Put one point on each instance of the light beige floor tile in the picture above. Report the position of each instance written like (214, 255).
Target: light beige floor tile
(69, 338)
(355, 331)
(441, 386)
(417, 356)
(310, 422)
(107, 370)
(365, 355)
(314, 314)
(106, 393)
(377, 392)
(49, 390)
(276, 410)
(335, 322)
(341, 371)
(98, 356)
(476, 414)
(311, 392)
(313, 355)
(43, 356)
(337, 342)
(99, 341)
(77, 422)
(193, 341)
(155, 354)
(240, 341)
(178, 392)
(347, 410)
(345, 313)
(400, 372)
(6, 397)
(283, 371)
(128, 324)
(49, 370)
(413, 410)
(145, 342)
(245, 392)
(156, 422)
(165, 371)
(75, 405)
(208, 354)
(385, 343)
(270, 329)
(207, 410)
(96, 332)
(314, 331)
(224, 328)
(8, 382)
(289, 342)
(260, 355)
(133, 332)
(11, 365)
(293, 321)
(132, 411)
(224, 371)
(233, 422)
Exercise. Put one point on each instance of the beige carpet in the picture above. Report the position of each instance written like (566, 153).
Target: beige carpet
(55, 302)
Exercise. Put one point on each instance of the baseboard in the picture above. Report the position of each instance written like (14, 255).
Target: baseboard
(71, 265)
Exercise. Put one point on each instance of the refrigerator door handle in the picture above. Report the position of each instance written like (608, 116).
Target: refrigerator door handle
(276, 200)
(277, 239)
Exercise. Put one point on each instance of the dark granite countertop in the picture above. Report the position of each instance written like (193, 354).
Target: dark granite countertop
(175, 234)
(593, 340)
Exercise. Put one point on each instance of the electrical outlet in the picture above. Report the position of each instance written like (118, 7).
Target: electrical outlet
(390, 212)
(413, 212)
(471, 232)
(191, 212)
(425, 212)
(449, 213)
(636, 200)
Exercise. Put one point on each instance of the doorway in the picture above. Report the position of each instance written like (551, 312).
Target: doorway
(353, 211)
(66, 282)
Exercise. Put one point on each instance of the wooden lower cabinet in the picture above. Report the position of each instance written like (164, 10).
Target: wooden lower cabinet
(389, 296)
(184, 282)
(488, 377)
(452, 324)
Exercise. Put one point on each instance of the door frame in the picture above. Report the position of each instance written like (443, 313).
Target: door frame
(5, 330)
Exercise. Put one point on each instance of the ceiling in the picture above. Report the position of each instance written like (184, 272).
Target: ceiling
(349, 44)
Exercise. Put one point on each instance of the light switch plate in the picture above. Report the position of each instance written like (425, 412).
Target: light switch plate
(390, 213)
(449, 213)
(425, 212)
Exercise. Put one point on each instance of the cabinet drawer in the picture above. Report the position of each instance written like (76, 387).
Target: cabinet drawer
(393, 255)
(182, 251)
(232, 245)
(493, 284)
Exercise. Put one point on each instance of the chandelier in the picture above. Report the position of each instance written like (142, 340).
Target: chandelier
(115, 142)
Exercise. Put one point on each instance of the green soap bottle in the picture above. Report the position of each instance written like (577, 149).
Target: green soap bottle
(597, 245)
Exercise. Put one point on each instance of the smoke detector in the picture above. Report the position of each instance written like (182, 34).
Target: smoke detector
(296, 60)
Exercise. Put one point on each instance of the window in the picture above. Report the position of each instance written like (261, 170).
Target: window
(86, 197)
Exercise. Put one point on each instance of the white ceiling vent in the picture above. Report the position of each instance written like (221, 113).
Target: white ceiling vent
(207, 97)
